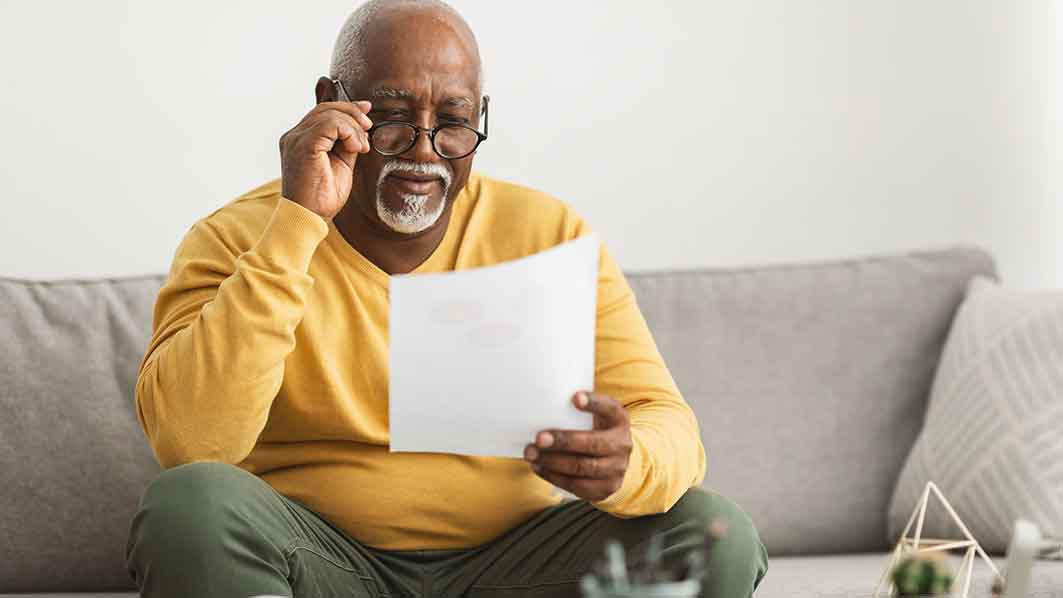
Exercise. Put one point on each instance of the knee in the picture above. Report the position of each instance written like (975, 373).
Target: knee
(188, 504)
(203, 487)
(705, 508)
(740, 545)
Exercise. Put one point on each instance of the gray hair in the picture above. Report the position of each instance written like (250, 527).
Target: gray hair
(349, 53)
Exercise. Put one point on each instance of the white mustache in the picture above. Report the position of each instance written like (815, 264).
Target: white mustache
(429, 168)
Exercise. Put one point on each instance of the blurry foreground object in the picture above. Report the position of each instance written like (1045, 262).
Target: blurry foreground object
(651, 578)
(1027, 545)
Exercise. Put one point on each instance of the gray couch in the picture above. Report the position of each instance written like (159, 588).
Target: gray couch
(809, 380)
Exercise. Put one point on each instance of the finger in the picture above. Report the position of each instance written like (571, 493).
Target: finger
(599, 443)
(341, 140)
(608, 412)
(361, 131)
(583, 466)
(350, 139)
(587, 489)
(330, 115)
(366, 107)
(356, 110)
(332, 127)
(354, 140)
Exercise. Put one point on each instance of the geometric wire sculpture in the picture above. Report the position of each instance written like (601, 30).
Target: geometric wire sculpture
(917, 544)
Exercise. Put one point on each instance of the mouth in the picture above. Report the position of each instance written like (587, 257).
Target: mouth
(414, 184)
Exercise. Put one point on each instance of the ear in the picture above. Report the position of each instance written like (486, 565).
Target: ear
(325, 90)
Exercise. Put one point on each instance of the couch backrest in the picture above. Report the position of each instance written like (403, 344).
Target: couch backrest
(810, 382)
(73, 460)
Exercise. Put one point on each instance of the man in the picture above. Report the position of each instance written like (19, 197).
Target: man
(264, 389)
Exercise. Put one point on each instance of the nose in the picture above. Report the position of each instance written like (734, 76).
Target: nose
(422, 149)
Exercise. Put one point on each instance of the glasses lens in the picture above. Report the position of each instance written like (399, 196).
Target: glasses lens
(455, 141)
(392, 138)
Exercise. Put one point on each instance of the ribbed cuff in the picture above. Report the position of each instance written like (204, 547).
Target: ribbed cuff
(634, 478)
(291, 236)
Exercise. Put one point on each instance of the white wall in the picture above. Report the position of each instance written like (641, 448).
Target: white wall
(797, 130)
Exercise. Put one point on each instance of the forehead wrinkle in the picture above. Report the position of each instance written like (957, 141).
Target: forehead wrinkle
(398, 93)
(391, 92)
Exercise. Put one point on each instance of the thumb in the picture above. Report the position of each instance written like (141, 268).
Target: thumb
(608, 412)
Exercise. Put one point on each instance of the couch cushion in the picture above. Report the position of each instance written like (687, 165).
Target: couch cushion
(810, 382)
(855, 576)
(74, 458)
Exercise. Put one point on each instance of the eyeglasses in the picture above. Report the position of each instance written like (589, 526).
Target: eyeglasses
(452, 141)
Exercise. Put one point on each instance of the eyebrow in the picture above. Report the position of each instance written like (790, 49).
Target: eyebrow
(459, 102)
(406, 94)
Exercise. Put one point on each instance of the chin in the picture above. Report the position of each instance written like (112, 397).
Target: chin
(410, 214)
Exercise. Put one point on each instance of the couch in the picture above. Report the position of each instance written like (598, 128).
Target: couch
(810, 381)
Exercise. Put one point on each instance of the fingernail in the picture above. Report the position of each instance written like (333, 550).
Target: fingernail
(582, 400)
(531, 453)
(546, 440)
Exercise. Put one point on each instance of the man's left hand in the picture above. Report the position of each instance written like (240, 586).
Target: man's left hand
(588, 463)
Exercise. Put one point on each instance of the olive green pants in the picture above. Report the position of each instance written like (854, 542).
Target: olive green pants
(212, 530)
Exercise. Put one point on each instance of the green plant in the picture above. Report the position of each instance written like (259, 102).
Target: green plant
(925, 574)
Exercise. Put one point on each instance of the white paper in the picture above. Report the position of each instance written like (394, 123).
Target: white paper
(481, 360)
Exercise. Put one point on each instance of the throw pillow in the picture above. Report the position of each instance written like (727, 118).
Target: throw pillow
(993, 436)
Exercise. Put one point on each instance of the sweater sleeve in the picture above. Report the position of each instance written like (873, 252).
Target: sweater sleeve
(224, 323)
(667, 458)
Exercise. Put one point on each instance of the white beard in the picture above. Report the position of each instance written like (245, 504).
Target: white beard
(412, 218)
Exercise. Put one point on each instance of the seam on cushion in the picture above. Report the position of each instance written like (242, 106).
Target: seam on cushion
(819, 264)
(294, 546)
(78, 280)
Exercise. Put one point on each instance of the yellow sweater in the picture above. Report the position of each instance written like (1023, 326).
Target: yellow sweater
(270, 352)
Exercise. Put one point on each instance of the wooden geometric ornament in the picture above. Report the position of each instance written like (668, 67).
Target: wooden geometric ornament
(917, 544)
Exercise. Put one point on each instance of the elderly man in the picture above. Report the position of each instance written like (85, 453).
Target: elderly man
(263, 392)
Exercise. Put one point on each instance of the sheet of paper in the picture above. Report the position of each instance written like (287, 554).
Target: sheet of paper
(482, 359)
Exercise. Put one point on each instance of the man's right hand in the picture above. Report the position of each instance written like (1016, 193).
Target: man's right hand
(318, 155)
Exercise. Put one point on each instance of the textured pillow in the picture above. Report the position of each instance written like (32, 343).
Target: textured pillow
(993, 436)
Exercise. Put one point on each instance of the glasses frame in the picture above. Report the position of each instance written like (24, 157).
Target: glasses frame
(417, 130)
